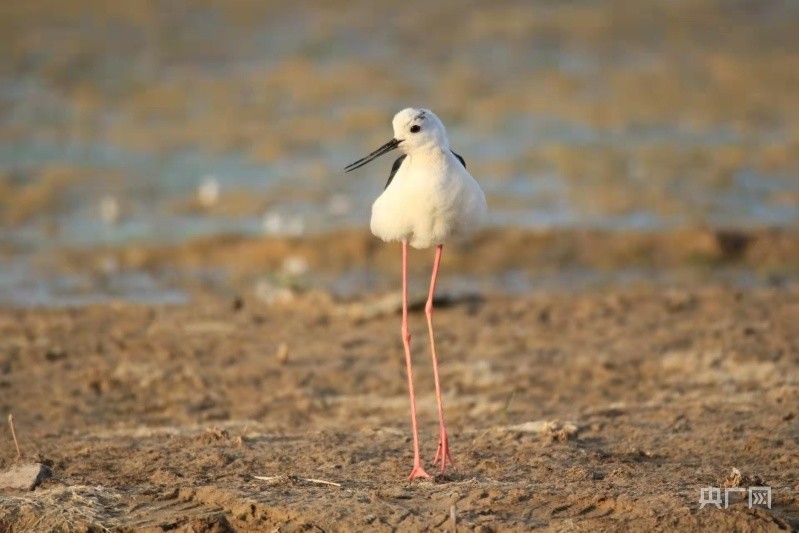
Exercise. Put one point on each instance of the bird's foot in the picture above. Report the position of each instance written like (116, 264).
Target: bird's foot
(418, 471)
(442, 453)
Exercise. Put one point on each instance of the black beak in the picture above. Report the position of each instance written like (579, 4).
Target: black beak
(386, 148)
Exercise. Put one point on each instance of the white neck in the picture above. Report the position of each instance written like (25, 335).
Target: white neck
(430, 152)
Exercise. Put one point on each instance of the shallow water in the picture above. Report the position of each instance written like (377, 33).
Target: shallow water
(153, 186)
(44, 285)
(570, 116)
(24, 286)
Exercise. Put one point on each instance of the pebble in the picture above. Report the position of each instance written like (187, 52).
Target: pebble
(109, 209)
(295, 265)
(208, 191)
(282, 354)
(269, 293)
(24, 477)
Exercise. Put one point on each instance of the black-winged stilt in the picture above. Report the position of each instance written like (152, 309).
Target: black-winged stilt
(430, 199)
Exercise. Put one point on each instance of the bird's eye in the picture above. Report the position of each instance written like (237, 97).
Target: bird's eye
(416, 128)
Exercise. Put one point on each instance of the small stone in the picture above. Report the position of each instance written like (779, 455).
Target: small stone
(295, 265)
(555, 430)
(282, 354)
(24, 477)
(734, 479)
(270, 293)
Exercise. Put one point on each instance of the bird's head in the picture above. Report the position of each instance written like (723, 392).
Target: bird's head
(414, 129)
(419, 128)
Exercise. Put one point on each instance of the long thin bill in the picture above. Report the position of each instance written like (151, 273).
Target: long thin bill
(386, 148)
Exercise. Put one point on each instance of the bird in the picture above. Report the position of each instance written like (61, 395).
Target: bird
(429, 200)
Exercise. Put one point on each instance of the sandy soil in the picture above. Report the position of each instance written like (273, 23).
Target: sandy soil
(573, 410)
(158, 418)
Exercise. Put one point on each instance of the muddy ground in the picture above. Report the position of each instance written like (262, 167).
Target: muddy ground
(159, 418)
(572, 406)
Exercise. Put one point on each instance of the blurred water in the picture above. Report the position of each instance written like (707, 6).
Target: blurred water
(147, 189)
(154, 185)
(22, 285)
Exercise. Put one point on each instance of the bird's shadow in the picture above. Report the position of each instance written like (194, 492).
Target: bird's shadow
(446, 301)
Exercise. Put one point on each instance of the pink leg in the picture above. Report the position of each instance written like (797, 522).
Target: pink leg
(418, 470)
(443, 442)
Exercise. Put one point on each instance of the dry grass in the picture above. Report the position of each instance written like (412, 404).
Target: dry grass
(62, 509)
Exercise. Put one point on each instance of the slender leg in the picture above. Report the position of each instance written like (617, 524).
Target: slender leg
(418, 470)
(443, 442)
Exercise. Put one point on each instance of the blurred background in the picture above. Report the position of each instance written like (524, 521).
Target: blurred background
(147, 146)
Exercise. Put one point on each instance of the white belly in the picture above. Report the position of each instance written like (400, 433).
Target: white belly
(426, 212)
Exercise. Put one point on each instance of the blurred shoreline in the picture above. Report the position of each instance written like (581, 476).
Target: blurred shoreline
(346, 264)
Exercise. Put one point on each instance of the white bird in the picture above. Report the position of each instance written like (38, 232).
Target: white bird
(430, 199)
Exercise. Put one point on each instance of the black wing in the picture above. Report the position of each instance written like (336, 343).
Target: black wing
(394, 168)
(398, 163)
(459, 159)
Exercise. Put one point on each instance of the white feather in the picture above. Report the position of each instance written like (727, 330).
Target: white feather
(432, 199)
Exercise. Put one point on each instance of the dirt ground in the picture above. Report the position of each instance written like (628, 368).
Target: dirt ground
(606, 410)
(571, 407)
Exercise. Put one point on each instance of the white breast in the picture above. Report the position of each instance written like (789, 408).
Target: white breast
(430, 201)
